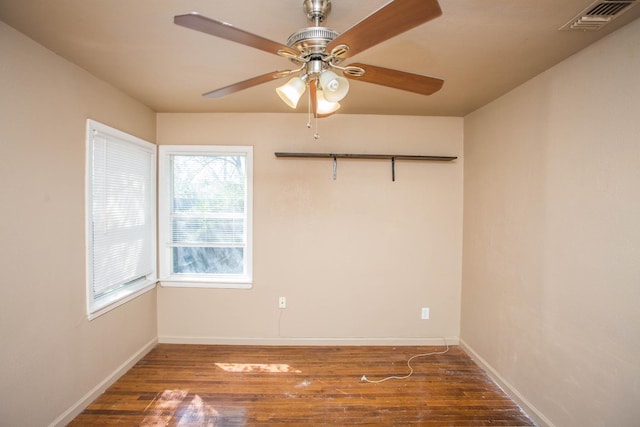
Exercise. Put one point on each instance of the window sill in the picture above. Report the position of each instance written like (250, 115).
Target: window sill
(106, 305)
(206, 285)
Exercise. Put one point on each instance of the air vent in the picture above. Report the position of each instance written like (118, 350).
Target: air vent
(598, 14)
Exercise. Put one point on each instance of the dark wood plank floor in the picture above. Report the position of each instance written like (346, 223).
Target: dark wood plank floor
(198, 385)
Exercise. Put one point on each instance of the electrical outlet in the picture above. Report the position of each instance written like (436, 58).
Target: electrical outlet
(282, 302)
(424, 314)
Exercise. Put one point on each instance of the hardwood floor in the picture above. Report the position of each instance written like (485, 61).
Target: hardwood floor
(198, 385)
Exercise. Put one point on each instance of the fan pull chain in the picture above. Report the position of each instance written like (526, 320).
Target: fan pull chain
(309, 108)
(316, 135)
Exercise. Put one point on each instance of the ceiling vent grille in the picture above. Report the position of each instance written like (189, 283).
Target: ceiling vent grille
(598, 14)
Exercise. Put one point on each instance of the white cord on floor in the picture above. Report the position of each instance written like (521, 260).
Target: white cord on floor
(364, 378)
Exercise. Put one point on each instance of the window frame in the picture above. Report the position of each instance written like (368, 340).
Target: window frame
(98, 305)
(166, 277)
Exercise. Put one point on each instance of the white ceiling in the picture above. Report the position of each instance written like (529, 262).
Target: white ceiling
(481, 48)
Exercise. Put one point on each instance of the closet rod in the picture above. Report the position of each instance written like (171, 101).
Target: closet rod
(392, 157)
(366, 156)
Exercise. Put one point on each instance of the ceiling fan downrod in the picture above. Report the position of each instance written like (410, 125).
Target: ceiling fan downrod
(317, 10)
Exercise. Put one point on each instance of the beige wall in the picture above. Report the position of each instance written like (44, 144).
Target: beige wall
(551, 267)
(50, 354)
(357, 257)
(551, 272)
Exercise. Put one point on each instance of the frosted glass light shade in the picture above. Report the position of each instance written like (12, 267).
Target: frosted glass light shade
(324, 106)
(334, 87)
(291, 91)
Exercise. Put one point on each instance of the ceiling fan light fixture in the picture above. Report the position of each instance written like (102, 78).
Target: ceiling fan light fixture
(324, 106)
(335, 88)
(292, 91)
(317, 51)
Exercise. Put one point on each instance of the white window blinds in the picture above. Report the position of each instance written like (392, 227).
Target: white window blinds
(121, 216)
(205, 213)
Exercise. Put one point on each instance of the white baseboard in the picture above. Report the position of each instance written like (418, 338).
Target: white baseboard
(308, 341)
(67, 416)
(508, 388)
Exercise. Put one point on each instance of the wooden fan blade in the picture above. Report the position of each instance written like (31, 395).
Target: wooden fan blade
(402, 80)
(245, 84)
(392, 19)
(197, 22)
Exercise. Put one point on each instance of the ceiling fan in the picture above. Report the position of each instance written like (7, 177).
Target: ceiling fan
(317, 51)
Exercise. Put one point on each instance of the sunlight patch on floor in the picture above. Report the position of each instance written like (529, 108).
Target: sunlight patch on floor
(172, 404)
(273, 368)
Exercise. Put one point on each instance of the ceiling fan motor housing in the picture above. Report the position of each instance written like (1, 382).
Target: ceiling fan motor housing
(311, 40)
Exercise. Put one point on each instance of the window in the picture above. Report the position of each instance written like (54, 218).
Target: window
(205, 216)
(120, 211)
